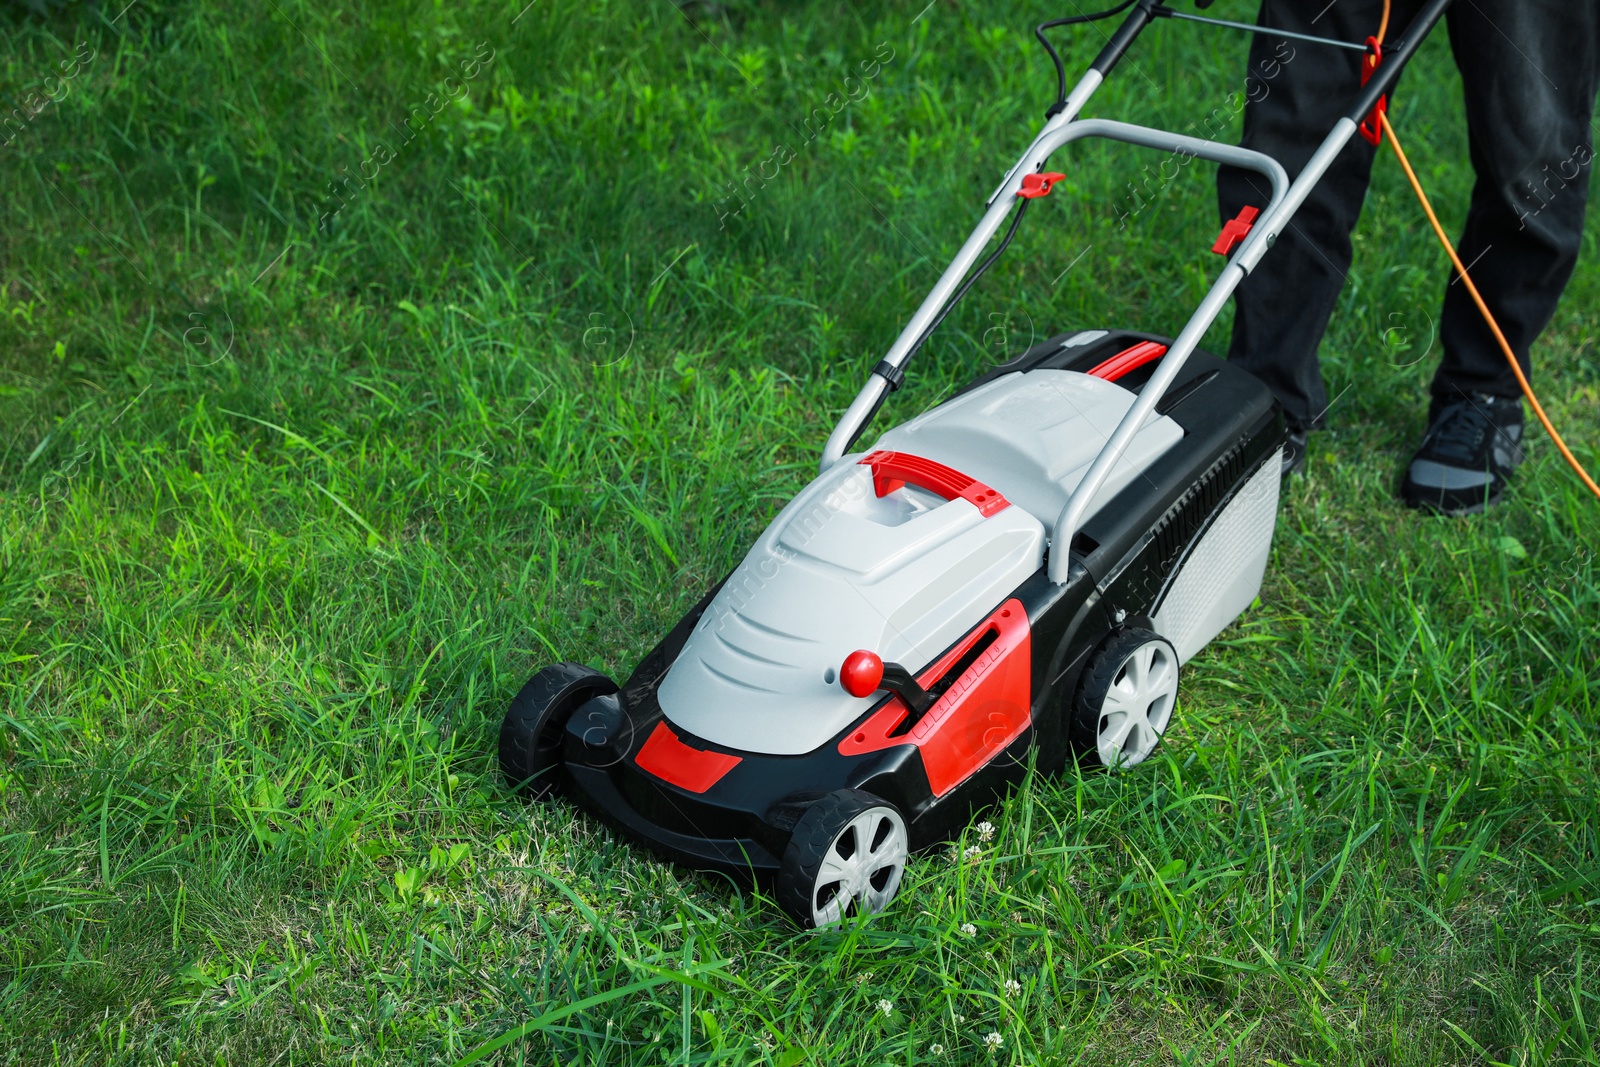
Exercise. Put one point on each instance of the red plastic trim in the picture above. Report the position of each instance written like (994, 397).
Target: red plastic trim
(1129, 359)
(1371, 128)
(1370, 61)
(669, 759)
(976, 718)
(1235, 230)
(891, 470)
(1037, 185)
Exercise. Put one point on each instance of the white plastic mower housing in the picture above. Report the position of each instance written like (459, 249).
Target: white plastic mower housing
(907, 573)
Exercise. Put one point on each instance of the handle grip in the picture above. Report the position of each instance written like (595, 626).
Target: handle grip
(891, 470)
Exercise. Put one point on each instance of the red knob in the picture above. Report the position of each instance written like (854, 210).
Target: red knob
(862, 673)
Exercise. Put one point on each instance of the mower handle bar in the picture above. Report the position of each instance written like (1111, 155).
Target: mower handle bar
(1054, 136)
(1267, 227)
(1147, 137)
(1065, 127)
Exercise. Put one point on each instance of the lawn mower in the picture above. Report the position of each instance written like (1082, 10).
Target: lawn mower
(1013, 578)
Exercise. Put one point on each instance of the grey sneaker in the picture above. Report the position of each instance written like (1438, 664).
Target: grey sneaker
(1467, 455)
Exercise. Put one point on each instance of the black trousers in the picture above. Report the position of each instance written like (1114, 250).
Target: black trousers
(1529, 69)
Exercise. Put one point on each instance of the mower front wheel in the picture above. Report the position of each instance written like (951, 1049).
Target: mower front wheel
(846, 857)
(530, 735)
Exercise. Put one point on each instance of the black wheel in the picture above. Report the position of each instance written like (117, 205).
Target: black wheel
(530, 736)
(846, 856)
(1125, 702)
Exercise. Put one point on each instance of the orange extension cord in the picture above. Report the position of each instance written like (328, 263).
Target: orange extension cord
(1477, 298)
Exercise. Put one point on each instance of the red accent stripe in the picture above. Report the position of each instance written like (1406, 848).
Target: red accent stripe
(669, 759)
(981, 713)
(891, 470)
(1129, 359)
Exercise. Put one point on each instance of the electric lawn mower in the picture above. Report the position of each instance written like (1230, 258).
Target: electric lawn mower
(1018, 573)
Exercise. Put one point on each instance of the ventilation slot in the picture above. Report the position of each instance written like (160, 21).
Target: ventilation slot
(1178, 526)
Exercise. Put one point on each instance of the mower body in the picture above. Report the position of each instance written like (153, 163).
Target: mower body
(931, 550)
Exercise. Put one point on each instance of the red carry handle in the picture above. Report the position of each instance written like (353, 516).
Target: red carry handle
(891, 470)
(1131, 358)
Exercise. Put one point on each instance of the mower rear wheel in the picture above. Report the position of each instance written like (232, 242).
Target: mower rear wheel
(530, 735)
(1125, 703)
(846, 857)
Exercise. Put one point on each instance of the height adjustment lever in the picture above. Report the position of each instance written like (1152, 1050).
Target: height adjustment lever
(865, 673)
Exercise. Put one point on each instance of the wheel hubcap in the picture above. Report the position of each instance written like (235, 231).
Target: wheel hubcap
(1139, 705)
(862, 868)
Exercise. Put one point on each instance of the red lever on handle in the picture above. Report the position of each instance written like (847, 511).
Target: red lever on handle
(891, 470)
(1037, 185)
(1235, 230)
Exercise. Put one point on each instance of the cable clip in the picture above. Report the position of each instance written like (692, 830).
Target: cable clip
(1037, 185)
(895, 376)
(1372, 126)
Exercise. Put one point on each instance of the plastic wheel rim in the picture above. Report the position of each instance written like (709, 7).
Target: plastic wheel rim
(860, 872)
(1138, 705)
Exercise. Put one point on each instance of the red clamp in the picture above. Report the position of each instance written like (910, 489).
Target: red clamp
(1371, 127)
(1235, 230)
(1037, 185)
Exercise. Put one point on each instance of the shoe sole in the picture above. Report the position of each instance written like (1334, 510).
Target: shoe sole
(1421, 503)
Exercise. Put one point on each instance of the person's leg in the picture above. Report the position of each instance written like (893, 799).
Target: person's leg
(1295, 93)
(1529, 72)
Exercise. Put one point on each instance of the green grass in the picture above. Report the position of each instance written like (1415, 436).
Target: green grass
(287, 514)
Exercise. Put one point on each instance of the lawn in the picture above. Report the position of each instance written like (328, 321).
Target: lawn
(355, 363)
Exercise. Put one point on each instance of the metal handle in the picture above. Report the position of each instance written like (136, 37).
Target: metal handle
(1055, 135)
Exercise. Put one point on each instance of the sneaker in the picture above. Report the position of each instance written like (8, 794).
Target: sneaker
(1467, 456)
(1294, 453)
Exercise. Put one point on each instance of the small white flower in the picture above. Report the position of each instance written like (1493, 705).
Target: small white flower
(968, 930)
(936, 1049)
(972, 853)
(885, 1006)
(961, 1018)
(993, 1039)
(986, 831)
(1013, 987)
